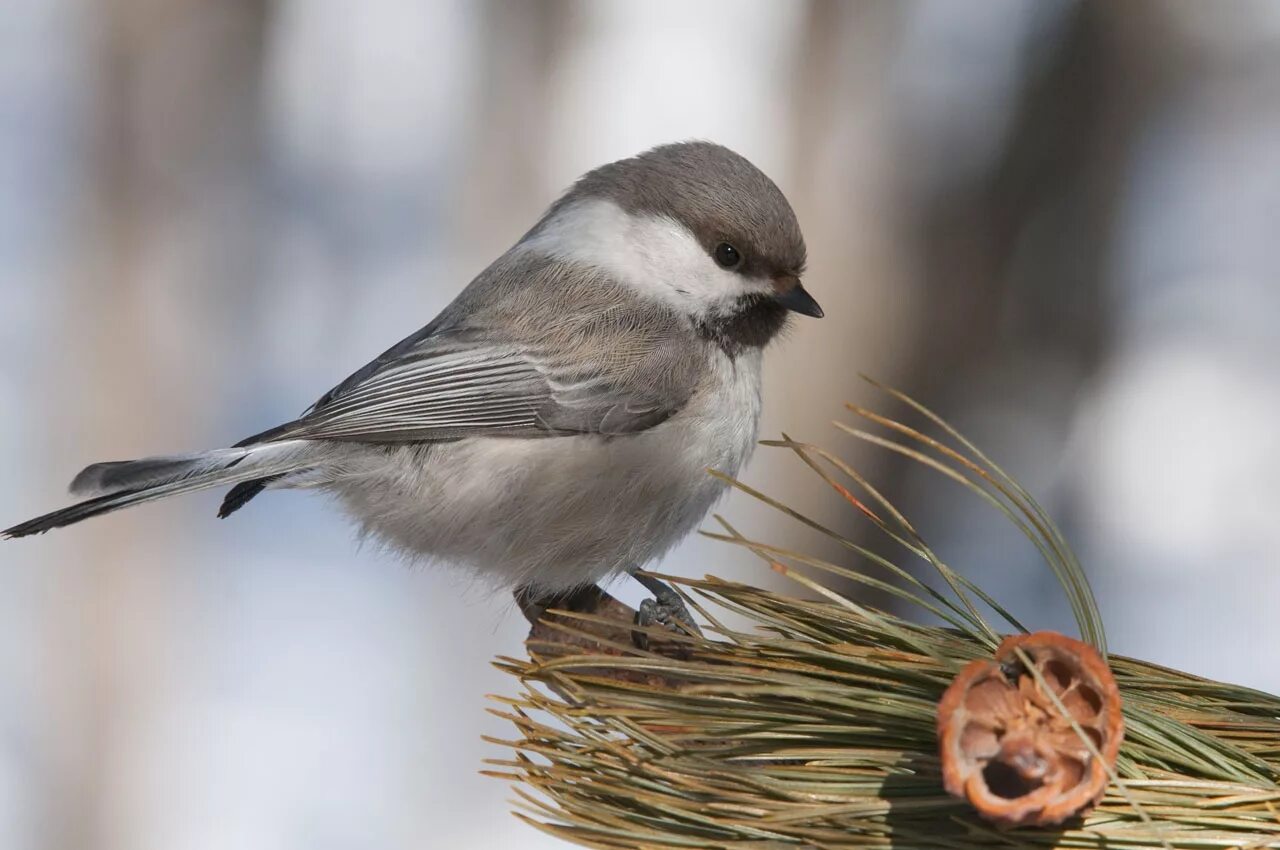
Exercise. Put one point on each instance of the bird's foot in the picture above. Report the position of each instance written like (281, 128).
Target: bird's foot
(667, 608)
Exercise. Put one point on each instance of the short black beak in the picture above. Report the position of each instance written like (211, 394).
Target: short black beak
(798, 300)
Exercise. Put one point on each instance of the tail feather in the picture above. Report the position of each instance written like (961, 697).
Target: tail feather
(81, 510)
(114, 476)
(240, 495)
(122, 484)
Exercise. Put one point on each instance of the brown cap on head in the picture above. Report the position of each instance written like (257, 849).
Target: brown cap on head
(717, 194)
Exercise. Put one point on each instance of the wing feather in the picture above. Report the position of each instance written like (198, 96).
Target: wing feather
(603, 362)
(474, 390)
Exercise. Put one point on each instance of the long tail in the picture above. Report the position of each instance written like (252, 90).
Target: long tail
(121, 484)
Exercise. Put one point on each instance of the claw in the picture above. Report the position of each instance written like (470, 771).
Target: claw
(666, 609)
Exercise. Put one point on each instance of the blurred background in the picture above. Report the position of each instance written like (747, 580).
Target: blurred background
(1055, 222)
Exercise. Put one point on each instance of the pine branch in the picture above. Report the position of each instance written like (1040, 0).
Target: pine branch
(817, 727)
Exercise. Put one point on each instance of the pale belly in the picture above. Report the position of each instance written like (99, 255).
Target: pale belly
(555, 513)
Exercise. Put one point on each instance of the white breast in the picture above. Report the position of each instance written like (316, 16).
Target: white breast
(721, 423)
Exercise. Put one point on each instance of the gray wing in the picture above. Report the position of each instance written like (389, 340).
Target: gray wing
(600, 362)
(449, 386)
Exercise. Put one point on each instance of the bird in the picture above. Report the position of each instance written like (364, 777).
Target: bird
(554, 426)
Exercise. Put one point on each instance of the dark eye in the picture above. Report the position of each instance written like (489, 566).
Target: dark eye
(727, 255)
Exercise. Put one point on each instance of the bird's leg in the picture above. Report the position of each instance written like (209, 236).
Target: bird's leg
(533, 605)
(666, 608)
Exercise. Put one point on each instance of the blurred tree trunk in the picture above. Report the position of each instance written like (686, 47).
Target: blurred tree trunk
(840, 186)
(1013, 264)
(510, 136)
(173, 118)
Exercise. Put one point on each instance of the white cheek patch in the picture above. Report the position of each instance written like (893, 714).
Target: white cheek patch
(654, 255)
